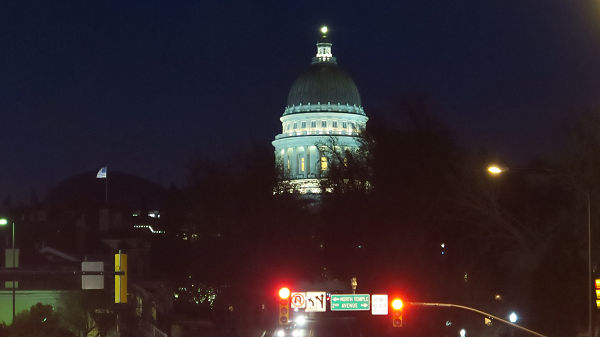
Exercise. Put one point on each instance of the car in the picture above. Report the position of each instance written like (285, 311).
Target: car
(321, 326)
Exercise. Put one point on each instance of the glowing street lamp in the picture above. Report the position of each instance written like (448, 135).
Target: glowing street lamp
(513, 317)
(494, 169)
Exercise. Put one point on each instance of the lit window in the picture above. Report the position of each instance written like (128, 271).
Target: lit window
(323, 163)
(323, 124)
(288, 164)
(344, 125)
(302, 164)
(345, 162)
(335, 124)
(304, 125)
(313, 124)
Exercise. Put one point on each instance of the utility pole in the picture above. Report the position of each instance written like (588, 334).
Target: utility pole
(589, 281)
(13, 266)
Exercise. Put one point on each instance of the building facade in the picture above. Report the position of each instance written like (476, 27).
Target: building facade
(323, 108)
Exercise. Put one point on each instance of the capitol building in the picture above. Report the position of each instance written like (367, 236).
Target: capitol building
(323, 108)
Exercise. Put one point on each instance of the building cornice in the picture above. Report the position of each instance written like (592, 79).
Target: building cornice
(308, 108)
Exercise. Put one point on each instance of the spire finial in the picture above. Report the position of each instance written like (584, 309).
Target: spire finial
(324, 48)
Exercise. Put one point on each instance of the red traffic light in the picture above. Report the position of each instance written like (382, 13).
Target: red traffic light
(397, 304)
(284, 293)
(397, 313)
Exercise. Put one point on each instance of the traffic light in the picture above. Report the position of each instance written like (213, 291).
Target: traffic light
(597, 282)
(284, 306)
(397, 313)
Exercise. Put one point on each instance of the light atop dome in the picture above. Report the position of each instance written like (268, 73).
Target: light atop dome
(324, 48)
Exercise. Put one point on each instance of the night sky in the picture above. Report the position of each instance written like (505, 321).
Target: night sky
(147, 86)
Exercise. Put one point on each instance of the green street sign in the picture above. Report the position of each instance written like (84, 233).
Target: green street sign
(350, 302)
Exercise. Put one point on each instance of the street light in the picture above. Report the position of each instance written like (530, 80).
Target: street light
(496, 170)
(4, 222)
(513, 319)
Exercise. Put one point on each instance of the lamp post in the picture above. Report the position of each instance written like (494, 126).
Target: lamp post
(4, 222)
(497, 170)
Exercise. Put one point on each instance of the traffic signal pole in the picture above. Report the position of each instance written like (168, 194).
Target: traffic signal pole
(449, 305)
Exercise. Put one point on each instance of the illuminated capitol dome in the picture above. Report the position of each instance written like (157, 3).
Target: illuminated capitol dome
(323, 102)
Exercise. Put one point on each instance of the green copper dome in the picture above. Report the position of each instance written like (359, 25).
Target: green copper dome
(323, 82)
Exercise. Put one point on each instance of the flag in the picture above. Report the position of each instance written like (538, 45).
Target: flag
(102, 173)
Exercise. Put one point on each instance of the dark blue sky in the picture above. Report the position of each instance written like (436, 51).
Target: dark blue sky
(146, 86)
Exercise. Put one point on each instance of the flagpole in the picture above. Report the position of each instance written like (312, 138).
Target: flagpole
(103, 174)
(106, 187)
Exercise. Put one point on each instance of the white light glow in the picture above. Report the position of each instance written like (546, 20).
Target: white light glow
(154, 231)
(324, 29)
(463, 332)
(495, 169)
(513, 317)
(280, 333)
(300, 320)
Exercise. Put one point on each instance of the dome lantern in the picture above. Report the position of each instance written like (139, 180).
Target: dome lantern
(324, 54)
